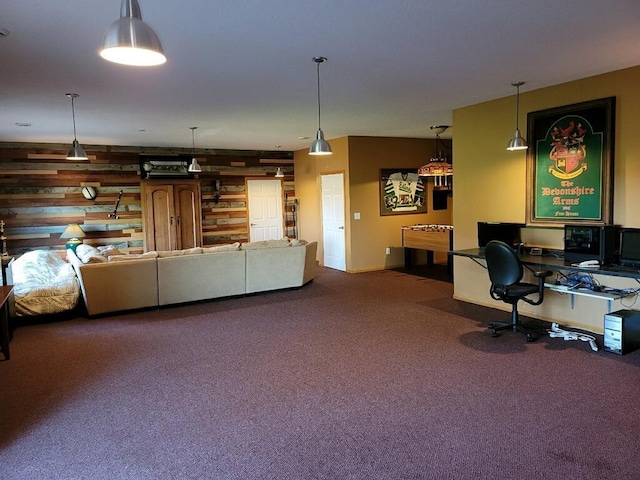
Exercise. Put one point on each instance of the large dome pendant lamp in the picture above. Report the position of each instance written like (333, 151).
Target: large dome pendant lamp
(320, 146)
(76, 152)
(130, 41)
(194, 166)
(517, 142)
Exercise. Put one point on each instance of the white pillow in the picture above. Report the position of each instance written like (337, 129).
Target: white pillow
(89, 254)
(110, 250)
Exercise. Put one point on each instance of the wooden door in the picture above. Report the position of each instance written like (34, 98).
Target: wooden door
(159, 217)
(172, 214)
(188, 215)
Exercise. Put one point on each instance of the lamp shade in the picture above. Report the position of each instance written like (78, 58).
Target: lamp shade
(74, 233)
(320, 146)
(130, 41)
(279, 173)
(76, 152)
(73, 230)
(436, 168)
(517, 142)
(194, 166)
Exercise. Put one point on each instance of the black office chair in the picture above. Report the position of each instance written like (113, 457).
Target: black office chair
(506, 272)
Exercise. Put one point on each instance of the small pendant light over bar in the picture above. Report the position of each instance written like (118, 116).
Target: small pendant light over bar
(320, 146)
(517, 142)
(438, 166)
(130, 41)
(194, 167)
(76, 152)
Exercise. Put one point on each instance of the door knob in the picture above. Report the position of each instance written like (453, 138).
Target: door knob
(340, 228)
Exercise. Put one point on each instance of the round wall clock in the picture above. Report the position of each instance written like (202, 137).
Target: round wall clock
(89, 193)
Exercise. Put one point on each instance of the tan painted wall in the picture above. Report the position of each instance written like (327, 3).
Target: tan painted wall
(361, 159)
(490, 184)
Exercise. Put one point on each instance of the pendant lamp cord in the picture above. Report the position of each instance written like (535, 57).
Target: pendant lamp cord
(318, 70)
(517, 85)
(517, 105)
(73, 114)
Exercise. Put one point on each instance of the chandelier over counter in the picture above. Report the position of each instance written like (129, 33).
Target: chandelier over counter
(438, 165)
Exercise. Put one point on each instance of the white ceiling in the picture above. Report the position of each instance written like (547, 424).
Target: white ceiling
(242, 71)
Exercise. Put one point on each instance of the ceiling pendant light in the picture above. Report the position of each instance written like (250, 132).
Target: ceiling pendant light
(438, 166)
(320, 146)
(517, 142)
(194, 166)
(76, 152)
(279, 173)
(130, 41)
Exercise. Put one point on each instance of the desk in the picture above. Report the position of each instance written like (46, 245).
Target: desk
(6, 309)
(550, 262)
(432, 238)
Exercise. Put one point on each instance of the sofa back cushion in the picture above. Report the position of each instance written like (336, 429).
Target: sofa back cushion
(265, 244)
(222, 248)
(135, 256)
(179, 253)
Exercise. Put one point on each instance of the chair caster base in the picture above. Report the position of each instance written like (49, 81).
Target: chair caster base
(496, 327)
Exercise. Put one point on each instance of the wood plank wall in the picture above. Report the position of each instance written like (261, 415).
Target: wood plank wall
(40, 193)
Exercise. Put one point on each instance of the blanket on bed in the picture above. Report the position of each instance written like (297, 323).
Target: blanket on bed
(44, 283)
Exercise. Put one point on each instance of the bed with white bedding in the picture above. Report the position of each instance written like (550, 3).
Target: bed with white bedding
(43, 283)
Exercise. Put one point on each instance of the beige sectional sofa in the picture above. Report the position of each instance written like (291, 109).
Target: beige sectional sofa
(156, 279)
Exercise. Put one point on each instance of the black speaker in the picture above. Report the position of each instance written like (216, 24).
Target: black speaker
(591, 242)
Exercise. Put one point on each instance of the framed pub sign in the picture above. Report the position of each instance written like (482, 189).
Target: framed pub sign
(570, 164)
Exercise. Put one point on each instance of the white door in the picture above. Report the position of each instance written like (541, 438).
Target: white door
(333, 236)
(266, 220)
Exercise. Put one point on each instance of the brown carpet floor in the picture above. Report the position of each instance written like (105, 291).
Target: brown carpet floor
(355, 376)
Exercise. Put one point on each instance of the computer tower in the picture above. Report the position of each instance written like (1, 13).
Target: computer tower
(591, 242)
(622, 331)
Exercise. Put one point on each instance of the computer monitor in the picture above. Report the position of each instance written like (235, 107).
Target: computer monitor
(630, 247)
(508, 233)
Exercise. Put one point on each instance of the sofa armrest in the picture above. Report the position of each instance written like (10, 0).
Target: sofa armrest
(280, 267)
(310, 262)
(118, 286)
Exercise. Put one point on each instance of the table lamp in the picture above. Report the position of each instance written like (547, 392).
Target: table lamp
(74, 233)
